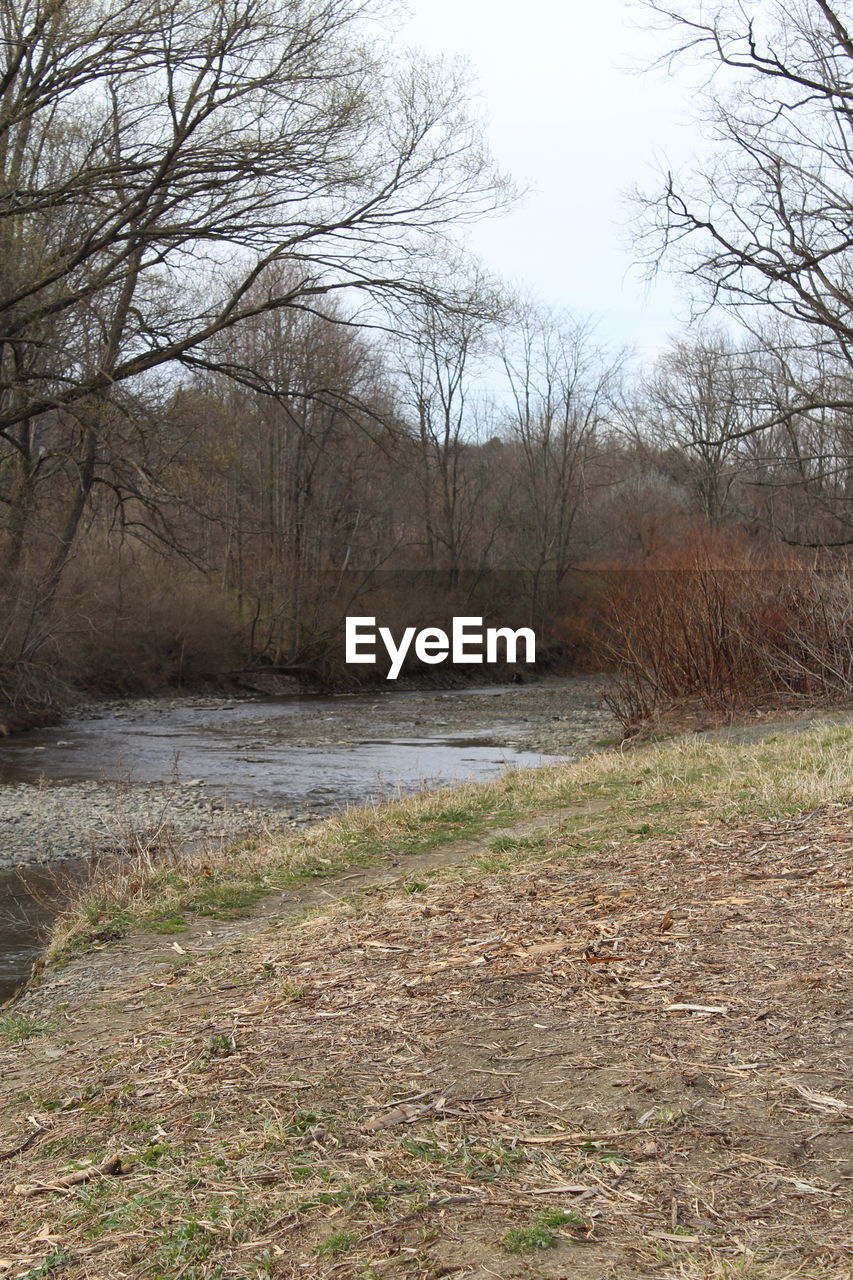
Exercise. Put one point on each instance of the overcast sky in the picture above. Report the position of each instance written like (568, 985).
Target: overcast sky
(571, 118)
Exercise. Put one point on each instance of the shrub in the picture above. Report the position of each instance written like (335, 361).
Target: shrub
(721, 622)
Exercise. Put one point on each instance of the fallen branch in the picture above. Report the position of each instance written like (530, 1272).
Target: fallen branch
(113, 1166)
(22, 1146)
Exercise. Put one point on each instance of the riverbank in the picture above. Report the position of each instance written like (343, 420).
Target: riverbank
(129, 781)
(131, 772)
(602, 1034)
(258, 685)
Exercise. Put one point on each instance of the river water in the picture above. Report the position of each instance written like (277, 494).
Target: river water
(306, 756)
(267, 752)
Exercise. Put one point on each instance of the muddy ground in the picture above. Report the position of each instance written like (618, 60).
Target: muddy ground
(618, 1067)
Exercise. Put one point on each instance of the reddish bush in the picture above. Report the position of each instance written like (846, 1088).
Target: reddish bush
(717, 620)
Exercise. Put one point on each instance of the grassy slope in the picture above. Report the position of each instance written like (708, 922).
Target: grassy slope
(259, 1096)
(655, 791)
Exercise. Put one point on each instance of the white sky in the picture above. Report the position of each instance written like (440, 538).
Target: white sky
(571, 117)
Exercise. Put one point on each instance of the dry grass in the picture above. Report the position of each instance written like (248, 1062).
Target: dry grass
(669, 783)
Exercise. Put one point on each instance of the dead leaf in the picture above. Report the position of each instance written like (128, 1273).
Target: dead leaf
(400, 1115)
(664, 1235)
(544, 948)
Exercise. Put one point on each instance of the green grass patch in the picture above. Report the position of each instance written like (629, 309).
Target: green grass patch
(185, 1249)
(335, 1244)
(528, 1239)
(170, 924)
(507, 843)
(15, 1028)
(556, 1218)
(479, 1162)
(220, 1046)
(539, 1234)
(221, 899)
(55, 1262)
(599, 1153)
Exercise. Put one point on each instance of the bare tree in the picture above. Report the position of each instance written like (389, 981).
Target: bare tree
(800, 467)
(305, 403)
(767, 222)
(438, 357)
(559, 386)
(764, 226)
(695, 405)
(156, 159)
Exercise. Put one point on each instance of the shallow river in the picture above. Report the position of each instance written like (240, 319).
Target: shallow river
(247, 752)
(305, 756)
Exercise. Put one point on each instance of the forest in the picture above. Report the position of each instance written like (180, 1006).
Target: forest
(251, 381)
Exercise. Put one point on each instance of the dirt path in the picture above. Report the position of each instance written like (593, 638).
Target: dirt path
(145, 956)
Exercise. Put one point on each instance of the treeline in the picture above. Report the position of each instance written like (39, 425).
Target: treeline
(250, 383)
(506, 468)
